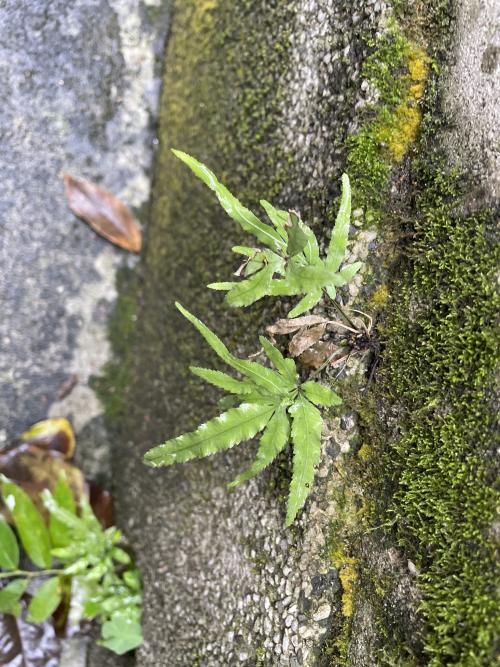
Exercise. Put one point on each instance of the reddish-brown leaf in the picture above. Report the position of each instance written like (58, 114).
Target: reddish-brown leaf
(36, 469)
(106, 214)
(101, 502)
(305, 338)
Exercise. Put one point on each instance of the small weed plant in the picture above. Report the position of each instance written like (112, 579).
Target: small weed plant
(272, 401)
(74, 556)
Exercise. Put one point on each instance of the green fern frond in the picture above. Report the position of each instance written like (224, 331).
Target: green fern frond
(271, 399)
(277, 217)
(273, 440)
(252, 289)
(338, 241)
(349, 271)
(306, 303)
(223, 380)
(286, 367)
(292, 266)
(319, 394)
(222, 432)
(297, 239)
(244, 250)
(266, 378)
(243, 216)
(306, 438)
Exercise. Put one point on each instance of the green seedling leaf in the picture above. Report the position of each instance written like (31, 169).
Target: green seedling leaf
(121, 634)
(60, 533)
(319, 394)
(45, 601)
(306, 438)
(29, 523)
(10, 596)
(338, 241)
(272, 442)
(243, 216)
(222, 432)
(121, 556)
(223, 380)
(132, 579)
(297, 240)
(9, 549)
(286, 367)
(221, 287)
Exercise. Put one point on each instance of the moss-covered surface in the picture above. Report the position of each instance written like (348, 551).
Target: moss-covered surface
(439, 367)
(396, 71)
(431, 418)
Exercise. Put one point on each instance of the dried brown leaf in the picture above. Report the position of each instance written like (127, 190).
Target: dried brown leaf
(55, 434)
(35, 469)
(104, 212)
(318, 353)
(305, 338)
(288, 326)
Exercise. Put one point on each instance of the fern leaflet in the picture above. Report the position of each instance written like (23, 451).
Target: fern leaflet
(306, 438)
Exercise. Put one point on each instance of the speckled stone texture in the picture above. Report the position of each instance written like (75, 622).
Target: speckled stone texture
(80, 84)
(472, 94)
(225, 583)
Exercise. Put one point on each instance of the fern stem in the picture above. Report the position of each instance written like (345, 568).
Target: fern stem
(341, 311)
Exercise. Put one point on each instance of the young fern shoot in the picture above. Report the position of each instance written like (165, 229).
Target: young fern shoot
(272, 401)
(290, 264)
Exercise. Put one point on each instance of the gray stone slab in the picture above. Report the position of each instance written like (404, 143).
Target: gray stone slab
(79, 84)
(79, 89)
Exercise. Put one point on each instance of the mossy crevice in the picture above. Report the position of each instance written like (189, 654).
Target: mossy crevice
(431, 418)
(396, 73)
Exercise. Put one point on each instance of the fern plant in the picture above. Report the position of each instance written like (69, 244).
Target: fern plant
(291, 252)
(272, 401)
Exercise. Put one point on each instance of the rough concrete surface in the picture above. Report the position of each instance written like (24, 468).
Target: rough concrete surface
(80, 83)
(225, 583)
(80, 88)
(473, 91)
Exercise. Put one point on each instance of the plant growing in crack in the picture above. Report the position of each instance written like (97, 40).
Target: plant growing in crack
(273, 401)
(292, 250)
(276, 401)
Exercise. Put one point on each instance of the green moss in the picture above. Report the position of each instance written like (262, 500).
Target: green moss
(445, 500)
(397, 69)
(435, 482)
